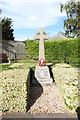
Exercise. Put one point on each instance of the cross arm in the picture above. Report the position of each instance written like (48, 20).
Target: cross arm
(37, 36)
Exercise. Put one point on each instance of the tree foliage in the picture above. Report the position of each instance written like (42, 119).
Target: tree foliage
(7, 31)
(72, 23)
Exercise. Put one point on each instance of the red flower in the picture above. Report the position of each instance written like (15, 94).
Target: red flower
(41, 62)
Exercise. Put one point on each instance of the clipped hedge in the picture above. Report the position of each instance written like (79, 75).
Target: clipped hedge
(66, 78)
(15, 88)
(32, 49)
(55, 50)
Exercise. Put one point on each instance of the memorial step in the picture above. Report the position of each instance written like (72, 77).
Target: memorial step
(47, 81)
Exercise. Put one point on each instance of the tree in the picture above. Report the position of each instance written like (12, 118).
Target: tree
(72, 23)
(7, 31)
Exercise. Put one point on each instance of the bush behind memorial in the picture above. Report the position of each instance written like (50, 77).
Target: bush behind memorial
(56, 51)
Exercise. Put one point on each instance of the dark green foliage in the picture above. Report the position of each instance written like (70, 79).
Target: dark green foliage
(72, 23)
(55, 51)
(7, 31)
(32, 49)
(72, 52)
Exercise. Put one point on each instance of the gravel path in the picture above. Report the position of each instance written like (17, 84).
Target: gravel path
(45, 99)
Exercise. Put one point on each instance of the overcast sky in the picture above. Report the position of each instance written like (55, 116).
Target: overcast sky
(30, 15)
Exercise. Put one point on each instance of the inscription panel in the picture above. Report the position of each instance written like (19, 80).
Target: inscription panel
(42, 74)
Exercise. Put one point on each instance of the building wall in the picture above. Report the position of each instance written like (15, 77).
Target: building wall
(14, 47)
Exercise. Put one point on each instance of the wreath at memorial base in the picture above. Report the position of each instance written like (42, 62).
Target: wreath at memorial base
(41, 62)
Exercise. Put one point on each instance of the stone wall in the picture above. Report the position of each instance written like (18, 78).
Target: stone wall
(14, 47)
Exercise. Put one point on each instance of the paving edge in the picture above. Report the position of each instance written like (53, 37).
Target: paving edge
(27, 115)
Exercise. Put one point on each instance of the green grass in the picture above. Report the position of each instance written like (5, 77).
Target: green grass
(27, 61)
(29, 64)
(4, 67)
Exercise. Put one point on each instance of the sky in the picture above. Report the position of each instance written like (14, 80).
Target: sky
(29, 16)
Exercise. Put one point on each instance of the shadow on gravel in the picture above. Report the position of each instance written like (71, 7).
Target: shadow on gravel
(78, 112)
(35, 91)
(50, 70)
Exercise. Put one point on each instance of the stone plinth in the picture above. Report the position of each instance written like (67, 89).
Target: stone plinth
(42, 75)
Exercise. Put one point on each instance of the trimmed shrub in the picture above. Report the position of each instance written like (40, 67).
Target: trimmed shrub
(66, 78)
(15, 89)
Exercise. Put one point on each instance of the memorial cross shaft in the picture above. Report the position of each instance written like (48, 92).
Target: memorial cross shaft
(42, 36)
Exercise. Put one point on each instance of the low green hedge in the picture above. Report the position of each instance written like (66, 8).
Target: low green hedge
(66, 78)
(15, 89)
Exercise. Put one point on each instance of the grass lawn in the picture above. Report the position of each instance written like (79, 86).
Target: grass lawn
(4, 66)
(29, 63)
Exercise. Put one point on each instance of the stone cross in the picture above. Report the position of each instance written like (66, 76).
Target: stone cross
(42, 36)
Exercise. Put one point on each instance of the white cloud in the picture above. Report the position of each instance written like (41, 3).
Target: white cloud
(32, 13)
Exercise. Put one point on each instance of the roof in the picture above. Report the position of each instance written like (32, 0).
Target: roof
(58, 36)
